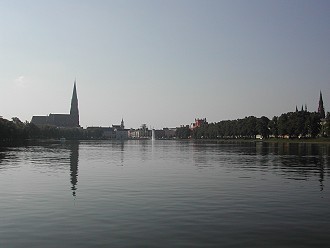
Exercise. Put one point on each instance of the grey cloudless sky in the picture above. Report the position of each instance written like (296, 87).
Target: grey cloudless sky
(163, 63)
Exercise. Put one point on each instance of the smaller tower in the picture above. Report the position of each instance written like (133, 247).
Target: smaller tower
(321, 107)
(122, 126)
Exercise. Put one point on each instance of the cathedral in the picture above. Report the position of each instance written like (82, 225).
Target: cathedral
(61, 120)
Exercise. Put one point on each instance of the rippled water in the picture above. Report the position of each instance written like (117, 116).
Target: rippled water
(165, 194)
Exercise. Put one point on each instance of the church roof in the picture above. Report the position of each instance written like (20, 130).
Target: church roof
(39, 120)
(60, 120)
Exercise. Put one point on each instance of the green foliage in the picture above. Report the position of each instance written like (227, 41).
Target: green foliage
(245, 128)
(301, 124)
(263, 127)
(94, 133)
(8, 130)
(183, 132)
(273, 126)
(327, 125)
(16, 130)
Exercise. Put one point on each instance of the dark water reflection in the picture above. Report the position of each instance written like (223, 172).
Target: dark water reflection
(297, 161)
(74, 159)
(165, 194)
(53, 156)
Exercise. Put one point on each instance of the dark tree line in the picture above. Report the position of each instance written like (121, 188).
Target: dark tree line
(183, 132)
(15, 130)
(248, 128)
(299, 124)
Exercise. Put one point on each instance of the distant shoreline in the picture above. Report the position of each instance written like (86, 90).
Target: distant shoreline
(315, 140)
(271, 140)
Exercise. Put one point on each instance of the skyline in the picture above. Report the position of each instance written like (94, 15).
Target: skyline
(163, 63)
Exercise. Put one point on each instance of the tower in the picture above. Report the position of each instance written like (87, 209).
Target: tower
(122, 126)
(74, 111)
(321, 108)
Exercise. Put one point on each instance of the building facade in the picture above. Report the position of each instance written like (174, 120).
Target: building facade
(116, 132)
(198, 123)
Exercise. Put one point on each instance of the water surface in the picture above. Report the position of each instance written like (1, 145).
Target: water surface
(165, 194)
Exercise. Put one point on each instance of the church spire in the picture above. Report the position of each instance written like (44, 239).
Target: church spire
(122, 126)
(321, 108)
(74, 111)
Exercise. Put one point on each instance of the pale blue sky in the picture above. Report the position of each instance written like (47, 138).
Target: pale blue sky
(163, 63)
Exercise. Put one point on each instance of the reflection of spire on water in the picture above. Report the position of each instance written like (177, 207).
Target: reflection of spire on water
(319, 163)
(321, 176)
(74, 158)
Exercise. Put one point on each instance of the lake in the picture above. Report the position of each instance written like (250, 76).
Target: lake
(143, 193)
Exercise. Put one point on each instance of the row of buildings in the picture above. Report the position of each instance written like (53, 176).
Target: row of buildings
(118, 132)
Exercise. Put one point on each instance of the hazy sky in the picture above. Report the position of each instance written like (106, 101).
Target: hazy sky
(163, 63)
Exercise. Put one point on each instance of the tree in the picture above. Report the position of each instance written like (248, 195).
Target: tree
(262, 126)
(183, 132)
(252, 126)
(327, 124)
(282, 124)
(314, 124)
(273, 126)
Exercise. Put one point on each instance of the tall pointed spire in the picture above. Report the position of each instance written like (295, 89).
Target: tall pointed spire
(321, 107)
(74, 111)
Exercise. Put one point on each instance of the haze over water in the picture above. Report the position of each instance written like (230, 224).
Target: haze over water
(165, 194)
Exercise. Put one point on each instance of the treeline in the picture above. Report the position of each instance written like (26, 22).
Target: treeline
(299, 124)
(16, 131)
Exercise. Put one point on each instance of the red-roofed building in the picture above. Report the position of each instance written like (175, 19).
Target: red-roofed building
(198, 123)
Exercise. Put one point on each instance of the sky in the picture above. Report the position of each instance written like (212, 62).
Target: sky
(163, 62)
